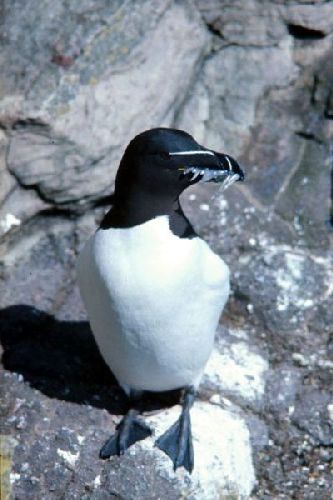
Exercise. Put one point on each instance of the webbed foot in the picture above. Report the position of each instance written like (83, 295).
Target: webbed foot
(176, 442)
(129, 430)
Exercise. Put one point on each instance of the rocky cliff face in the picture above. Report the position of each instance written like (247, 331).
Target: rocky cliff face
(253, 78)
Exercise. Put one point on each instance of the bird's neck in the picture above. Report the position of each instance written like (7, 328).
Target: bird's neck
(139, 208)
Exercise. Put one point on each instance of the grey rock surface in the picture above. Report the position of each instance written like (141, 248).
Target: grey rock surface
(251, 78)
(98, 80)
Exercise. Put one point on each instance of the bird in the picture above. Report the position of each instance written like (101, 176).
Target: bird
(152, 288)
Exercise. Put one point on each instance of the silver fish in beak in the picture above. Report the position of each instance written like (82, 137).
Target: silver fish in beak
(210, 166)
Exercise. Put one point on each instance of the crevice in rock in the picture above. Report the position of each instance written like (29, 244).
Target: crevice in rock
(74, 211)
(309, 136)
(57, 212)
(8, 195)
(70, 206)
(314, 89)
(328, 113)
(30, 123)
(31, 187)
(249, 46)
(303, 33)
(214, 31)
(104, 201)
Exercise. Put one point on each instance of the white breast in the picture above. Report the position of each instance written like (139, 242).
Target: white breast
(153, 300)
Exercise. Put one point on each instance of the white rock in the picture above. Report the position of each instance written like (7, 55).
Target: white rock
(250, 308)
(222, 453)
(80, 439)
(300, 359)
(330, 411)
(236, 369)
(239, 333)
(8, 222)
(325, 363)
(289, 279)
(204, 207)
(215, 399)
(97, 481)
(226, 402)
(14, 476)
(69, 457)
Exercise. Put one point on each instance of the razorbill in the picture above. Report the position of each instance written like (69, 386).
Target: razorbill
(153, 289)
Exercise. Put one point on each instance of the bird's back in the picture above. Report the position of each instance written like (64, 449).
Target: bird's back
(153, 300)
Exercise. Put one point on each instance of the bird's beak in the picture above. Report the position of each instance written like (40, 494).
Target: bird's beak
(210, 166)
(230, 166)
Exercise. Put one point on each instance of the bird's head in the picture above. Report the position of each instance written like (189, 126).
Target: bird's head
(163, 162)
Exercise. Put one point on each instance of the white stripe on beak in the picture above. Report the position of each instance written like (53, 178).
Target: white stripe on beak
(229, 164)
(192, 153)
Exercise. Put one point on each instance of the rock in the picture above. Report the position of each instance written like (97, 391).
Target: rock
(223, 463)
(311, 414)
(308, 181)
(111, 102)
(45, 362)
(298, 282)
(19, 206)
(8, 477)
(7, 180)
(233, 369)
(309, 21)
(243, 23)
(330, 411)
(37, 270)
(283, 386)
(233, 85)
(8, 222)
(258, 434)
(65, 431)
(251, 78)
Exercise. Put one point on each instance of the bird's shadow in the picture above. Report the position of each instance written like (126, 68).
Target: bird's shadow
(61, 359)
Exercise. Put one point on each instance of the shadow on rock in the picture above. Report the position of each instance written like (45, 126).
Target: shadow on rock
(61, 359)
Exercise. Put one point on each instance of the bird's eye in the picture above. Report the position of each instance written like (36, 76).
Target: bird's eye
(161, 154)
(164, 156)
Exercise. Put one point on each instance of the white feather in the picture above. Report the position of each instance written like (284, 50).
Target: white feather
(154, 301)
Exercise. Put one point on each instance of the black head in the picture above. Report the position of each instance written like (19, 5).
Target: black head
(163, 162)
(156, 167)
